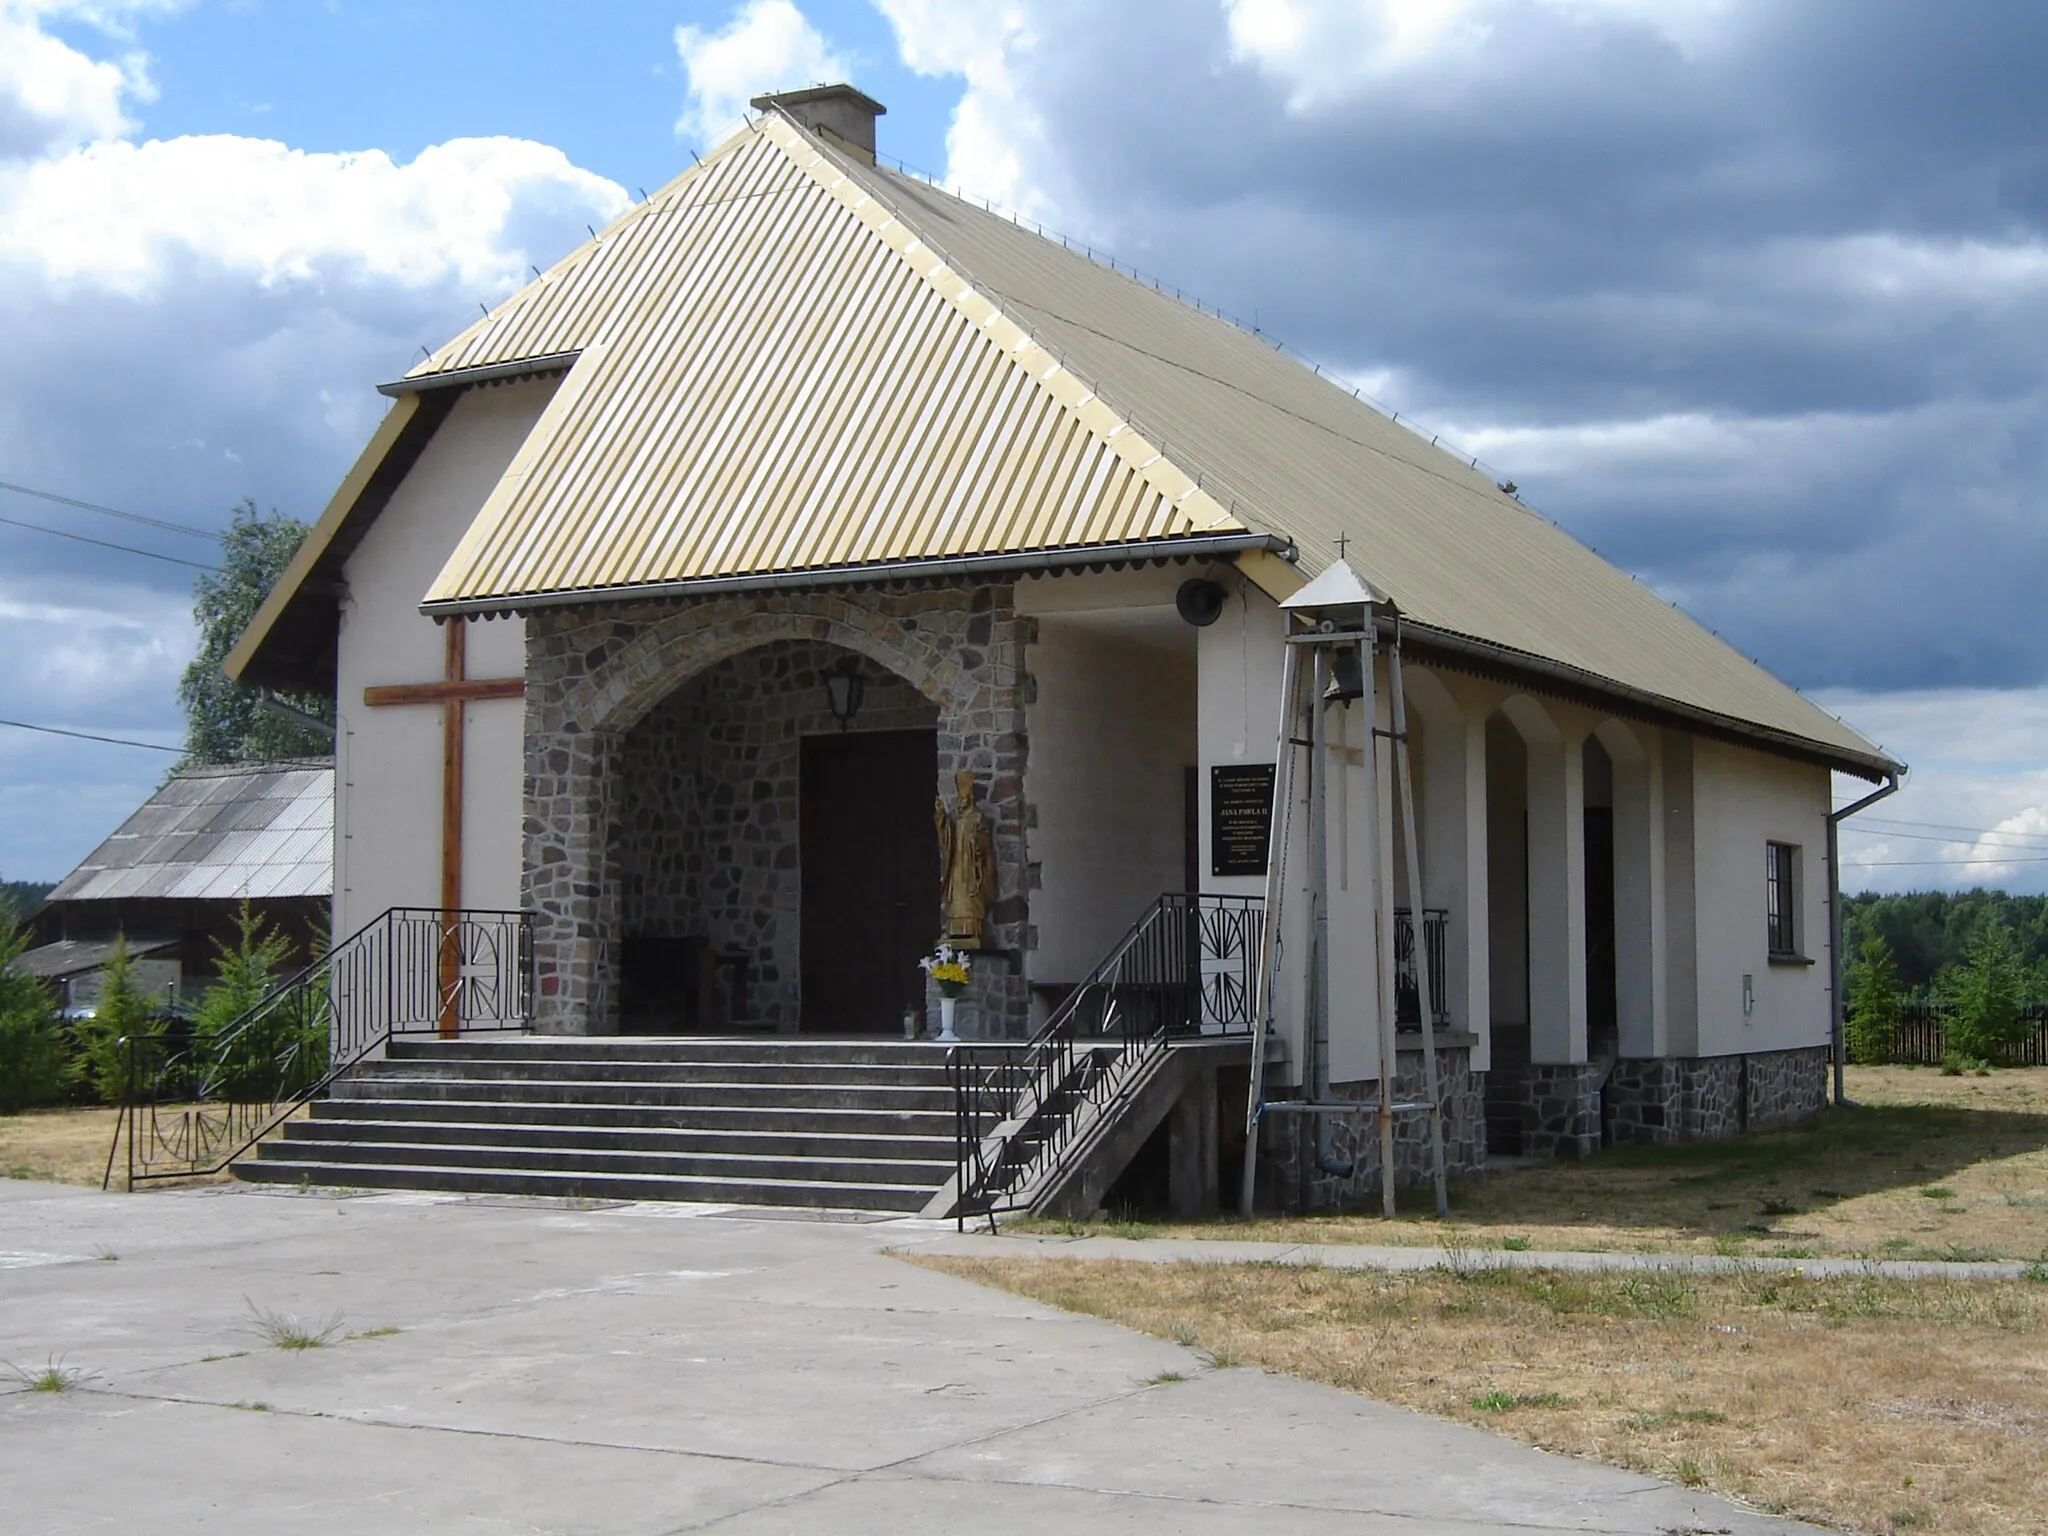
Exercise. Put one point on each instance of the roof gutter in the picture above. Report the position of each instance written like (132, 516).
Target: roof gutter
(482, 373)
(1836, 1010)
(1196, 547)
(1490, 657)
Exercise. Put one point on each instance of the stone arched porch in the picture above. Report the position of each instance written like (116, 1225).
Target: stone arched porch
(595, 672)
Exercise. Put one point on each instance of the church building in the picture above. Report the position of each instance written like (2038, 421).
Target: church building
(815, 566)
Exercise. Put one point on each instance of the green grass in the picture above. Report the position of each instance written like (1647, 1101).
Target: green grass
(55, 1376)
(281, 1330)
(1507, 1402)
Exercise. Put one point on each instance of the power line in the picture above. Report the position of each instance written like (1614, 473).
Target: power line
(1945, 826)
(93, 506)
(1979, 837)
(126, 549)
(1854, 864)
(118, 741)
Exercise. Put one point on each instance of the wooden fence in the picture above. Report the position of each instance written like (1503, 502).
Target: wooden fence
(1922, 1041)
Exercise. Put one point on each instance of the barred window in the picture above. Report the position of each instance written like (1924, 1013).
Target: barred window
(1782, 897)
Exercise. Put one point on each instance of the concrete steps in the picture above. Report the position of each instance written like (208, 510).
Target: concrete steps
(864, 1125)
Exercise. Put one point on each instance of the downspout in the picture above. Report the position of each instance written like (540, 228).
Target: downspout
(270, 702)
(1835, 1008)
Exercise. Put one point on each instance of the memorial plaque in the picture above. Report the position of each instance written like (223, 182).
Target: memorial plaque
(1240, 818)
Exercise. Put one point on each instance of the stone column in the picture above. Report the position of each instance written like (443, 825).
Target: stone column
(571, 890)
(981, 731)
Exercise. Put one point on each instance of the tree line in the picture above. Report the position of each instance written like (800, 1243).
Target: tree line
(1932, 932)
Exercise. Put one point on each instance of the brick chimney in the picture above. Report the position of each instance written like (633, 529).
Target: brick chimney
(839, 114)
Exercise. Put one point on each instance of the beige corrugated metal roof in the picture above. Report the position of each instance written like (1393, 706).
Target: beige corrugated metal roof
(775, 375)
(791, 360)
(1294, 453)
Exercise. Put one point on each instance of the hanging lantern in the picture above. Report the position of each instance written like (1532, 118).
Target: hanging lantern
(844, 689)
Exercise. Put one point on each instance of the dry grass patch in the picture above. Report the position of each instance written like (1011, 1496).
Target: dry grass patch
(1876, 1405)
(1924, 1167)
(57, 1146)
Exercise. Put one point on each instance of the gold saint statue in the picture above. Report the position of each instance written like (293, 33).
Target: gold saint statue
(967, 863)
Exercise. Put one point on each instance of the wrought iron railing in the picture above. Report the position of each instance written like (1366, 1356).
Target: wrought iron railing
(197, 1099)
(1185, 970)
(1407, 990)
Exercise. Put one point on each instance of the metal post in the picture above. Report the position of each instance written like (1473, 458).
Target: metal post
(1311, 1138)
(1262, 999)
(1380, 860)
(1410, 836)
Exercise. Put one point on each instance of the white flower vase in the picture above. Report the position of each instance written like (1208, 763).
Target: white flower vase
(946, 1006)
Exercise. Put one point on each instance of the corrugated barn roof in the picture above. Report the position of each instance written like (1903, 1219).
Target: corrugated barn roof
(219, 832)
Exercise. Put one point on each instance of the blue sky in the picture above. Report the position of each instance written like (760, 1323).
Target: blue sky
(1751, 297)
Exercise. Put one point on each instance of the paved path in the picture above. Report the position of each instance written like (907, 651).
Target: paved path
(1399, 1258)
(652, 1369)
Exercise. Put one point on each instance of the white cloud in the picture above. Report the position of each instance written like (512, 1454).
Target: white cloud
(1324, 48)
(205, 316)
(1974, 809)
(995, 127)
(120, 213)
(769, 45)
(91, 655)
(51, 95)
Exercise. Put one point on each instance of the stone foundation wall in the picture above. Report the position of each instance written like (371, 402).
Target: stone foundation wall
(1561, 1109)
(1286, 1146)
(1710, 1098)
(708, 808)
(595, 673)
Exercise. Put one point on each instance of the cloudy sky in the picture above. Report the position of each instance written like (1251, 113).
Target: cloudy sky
(1752, 297)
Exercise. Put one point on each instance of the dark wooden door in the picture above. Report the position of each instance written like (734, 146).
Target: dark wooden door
(870, 861)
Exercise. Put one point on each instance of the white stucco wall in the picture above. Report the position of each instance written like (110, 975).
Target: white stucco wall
(1239, 703)
(1742, 800)
(388, 785)
(1112, 734)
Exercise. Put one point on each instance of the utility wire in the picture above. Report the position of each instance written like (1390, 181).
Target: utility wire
(93, 506)
(119, 741)
(1944, 826)
(126, 549)
(1982, 839)
(1854, 864)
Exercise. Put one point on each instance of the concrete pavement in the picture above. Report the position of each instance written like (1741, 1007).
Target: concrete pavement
(649, 1369)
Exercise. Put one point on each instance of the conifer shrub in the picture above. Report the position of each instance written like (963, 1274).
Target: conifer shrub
(124, 1013)
(35, 1067)
(252, 1052)
(1986, 996)
(1871, 1028)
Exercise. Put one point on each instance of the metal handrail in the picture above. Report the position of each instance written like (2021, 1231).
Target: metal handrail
(193, 1104)
(1185, 969)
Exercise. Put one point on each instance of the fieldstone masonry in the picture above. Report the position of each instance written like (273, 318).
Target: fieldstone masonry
(1561, 1108)
(595, 673)
(707, 825)
(1709, 1098)
(1286, 1147)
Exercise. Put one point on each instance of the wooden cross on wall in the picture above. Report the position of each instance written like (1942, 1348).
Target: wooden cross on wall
(455, 689)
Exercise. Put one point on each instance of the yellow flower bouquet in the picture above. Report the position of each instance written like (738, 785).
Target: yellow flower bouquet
(948, 969)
